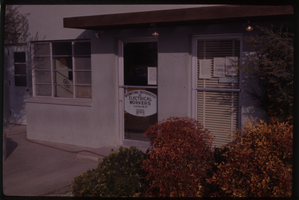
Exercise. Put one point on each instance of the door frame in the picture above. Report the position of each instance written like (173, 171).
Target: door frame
(121, 88)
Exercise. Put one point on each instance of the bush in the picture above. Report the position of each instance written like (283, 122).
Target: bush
(258, 163)
(273, 66)
(219, 157)
(117, 175)
(179, 159)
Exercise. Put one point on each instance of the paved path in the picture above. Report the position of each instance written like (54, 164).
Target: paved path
(32, 169)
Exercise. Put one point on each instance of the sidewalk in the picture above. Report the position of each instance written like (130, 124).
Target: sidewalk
(35, 168)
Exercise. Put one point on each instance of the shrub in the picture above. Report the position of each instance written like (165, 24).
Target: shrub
(273, 66)
(117, 175)
(179, 159)
(258, 163)
(212, 187)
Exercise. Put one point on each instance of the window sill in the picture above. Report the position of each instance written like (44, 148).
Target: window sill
(60, 101)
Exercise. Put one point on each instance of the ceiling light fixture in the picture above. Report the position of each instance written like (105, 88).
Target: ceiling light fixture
(249, 27)
(155, 33)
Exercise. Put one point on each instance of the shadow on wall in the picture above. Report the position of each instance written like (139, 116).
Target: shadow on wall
(251, 106)
(10, 147)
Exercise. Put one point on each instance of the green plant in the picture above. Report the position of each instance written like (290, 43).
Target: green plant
(258, 163)
(179, 159)
(272, 64)
(118, 175)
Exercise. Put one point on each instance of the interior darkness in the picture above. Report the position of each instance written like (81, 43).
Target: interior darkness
(137, 57)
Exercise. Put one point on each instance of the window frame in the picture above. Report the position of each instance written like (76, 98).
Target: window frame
(20, 75)
(194, 72)
(52, 83)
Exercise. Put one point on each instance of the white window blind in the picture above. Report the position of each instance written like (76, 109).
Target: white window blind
(218, 96)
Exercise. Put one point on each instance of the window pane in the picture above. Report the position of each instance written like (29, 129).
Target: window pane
(42, 63)
(20, 81)
(82, 63)
(42, 76)
(43, 90)
(83, 77)
(63, 77)
(83, 92)
(20, 69)
(65, 90)
(82, 48)
(137, 58)
(64, 63)
(42, 49)
(62, 48)
(19, 57)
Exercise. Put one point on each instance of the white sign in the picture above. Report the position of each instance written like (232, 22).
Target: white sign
(231, 66)
(219, 67)
(205, 69)
(152, 75)
(141, 103)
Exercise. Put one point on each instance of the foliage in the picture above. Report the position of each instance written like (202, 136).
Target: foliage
(219, 157)
(258, 163)
(117, 175)
(15, 25)
(273, 64)
(179, 159)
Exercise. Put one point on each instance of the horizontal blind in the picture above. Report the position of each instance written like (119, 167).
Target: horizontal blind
(218, 111)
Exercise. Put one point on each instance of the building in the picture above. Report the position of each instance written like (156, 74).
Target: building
(96, 75)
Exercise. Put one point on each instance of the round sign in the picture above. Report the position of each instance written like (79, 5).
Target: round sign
(62, 62)
(66, 83)
(141, 103)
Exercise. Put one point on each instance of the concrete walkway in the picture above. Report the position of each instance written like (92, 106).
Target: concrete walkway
(35, 168)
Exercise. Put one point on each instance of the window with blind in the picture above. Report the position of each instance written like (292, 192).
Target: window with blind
(62, 69)
(217, 86)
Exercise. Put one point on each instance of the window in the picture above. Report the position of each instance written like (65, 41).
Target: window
(20, 71)
(217, 86)
(62, 69)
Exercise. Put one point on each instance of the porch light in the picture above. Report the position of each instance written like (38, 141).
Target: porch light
(155, 33)
(99, 33)
(249, 27)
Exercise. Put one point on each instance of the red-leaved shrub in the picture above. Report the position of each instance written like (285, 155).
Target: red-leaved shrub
(258, 162)
(179, 159)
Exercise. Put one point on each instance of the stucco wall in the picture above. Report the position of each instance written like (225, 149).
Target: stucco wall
(96, 123)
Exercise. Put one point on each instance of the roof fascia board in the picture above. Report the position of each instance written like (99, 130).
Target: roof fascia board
(176, 15)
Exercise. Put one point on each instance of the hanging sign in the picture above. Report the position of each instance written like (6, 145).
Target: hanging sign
(204, 69)
(141, 103)
(231, 63)
(219, 67)
(152, 75)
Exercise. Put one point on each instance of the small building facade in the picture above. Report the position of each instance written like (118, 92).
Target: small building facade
(100, 75)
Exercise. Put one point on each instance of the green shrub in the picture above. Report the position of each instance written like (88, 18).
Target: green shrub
(180, 158)
(117, 175)
(258, 163)
(272, 65)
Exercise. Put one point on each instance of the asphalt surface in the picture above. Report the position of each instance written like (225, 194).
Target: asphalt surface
(36, 168)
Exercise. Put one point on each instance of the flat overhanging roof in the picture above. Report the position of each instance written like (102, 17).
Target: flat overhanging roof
(179, 16)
